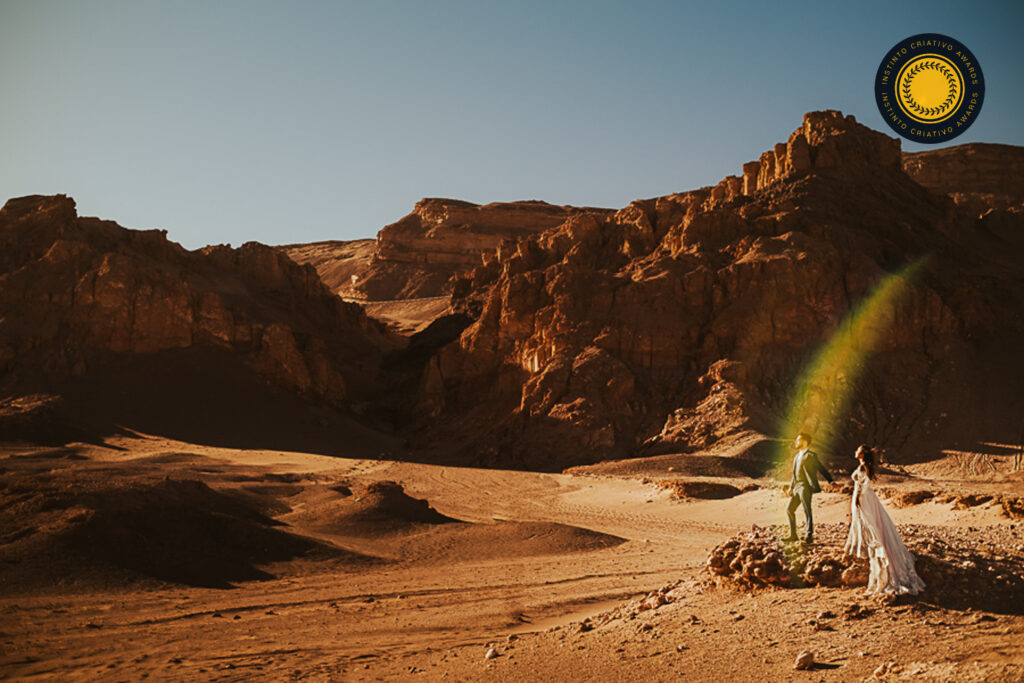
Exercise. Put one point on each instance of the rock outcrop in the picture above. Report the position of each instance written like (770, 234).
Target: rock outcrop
(826, 139)
(679, 322)
(73, 289)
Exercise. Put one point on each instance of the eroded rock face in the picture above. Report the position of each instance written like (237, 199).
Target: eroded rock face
(417, 255)
(683, 320)
(73, 286)
(978, 176)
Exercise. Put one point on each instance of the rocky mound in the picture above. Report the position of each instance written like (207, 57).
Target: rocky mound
(960, 567)
(680, 323)
(758, 558)
(379, 508)
(76, 528)
(76, 294)
(706, 490)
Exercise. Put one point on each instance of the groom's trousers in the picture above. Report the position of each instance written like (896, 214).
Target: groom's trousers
(801, 495)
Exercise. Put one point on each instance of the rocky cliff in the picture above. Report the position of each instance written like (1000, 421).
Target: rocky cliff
(75, 291)
(680, 324)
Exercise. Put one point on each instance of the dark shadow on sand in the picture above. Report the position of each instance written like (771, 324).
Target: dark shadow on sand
(206, 397)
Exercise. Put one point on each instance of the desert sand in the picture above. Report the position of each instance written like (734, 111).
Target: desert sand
(327, 573)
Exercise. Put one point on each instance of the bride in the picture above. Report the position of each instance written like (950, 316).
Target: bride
(873, 535)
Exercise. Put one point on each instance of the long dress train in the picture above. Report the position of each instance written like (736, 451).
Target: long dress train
(873, 535)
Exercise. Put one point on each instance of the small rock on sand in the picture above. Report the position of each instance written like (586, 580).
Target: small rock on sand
(804, 661)
(491, 653)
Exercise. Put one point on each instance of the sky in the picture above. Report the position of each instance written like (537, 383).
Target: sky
(283, 122)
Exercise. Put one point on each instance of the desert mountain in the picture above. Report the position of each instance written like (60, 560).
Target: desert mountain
(680, 324)
(127, 319)
(676, 325)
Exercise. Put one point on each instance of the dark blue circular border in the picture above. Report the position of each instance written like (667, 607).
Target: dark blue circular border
(887, 99)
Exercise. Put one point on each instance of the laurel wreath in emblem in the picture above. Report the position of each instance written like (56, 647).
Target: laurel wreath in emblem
(933, 65)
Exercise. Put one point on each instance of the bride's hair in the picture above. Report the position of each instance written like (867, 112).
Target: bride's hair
(869, 459)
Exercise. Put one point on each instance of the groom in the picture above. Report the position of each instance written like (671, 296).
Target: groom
(804, 484)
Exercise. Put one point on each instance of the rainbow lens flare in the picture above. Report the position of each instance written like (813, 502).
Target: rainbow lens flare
(821, 398)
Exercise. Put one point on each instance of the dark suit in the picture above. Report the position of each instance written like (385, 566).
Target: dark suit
(803, 485)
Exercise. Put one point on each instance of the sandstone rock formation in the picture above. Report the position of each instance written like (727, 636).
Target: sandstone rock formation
(679, 322)
(416, 256)
(75, 291)
(826, 139)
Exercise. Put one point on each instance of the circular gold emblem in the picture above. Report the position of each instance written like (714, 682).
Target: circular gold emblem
(929, 88)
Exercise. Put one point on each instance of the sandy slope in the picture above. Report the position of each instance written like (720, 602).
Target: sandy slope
(406, 316)
(437, 597)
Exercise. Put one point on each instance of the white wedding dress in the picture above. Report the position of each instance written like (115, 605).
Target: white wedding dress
(873, 535)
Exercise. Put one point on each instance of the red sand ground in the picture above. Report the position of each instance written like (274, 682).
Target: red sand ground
(335, 576)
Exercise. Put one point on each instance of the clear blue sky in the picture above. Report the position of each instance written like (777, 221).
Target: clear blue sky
(228, 121)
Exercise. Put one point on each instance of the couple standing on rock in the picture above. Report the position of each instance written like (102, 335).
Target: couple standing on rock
(872, 533)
